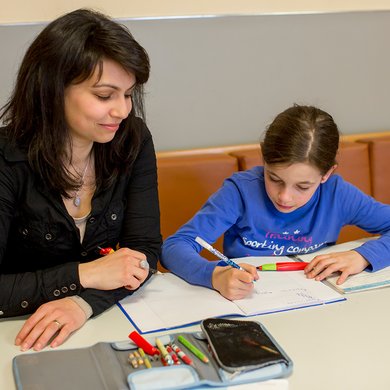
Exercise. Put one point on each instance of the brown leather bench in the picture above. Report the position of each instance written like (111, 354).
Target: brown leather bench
(185, 183)
(379, 152)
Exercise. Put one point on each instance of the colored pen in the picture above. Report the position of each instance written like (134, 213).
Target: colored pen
(283, 266)
(173, 354)
(217, 253)
(145, 358)
(182, 355)
(164, 353)
(193, 349)
(143, 264)
(144, 344)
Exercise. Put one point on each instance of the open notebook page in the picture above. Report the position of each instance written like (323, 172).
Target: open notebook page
(359, 282)
(167, 301)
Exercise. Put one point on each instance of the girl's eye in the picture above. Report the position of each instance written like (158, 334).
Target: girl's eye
(129, 96)
(303, 188)
(274, 179)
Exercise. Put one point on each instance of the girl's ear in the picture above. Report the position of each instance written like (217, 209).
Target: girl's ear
(327, 174)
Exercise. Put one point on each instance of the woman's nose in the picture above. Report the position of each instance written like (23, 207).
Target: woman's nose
(122, 108)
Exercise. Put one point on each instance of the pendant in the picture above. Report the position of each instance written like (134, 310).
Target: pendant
(76, 201)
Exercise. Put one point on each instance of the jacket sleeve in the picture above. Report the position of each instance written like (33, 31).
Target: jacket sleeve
(141, 226)
(365, 212)
(23, 293)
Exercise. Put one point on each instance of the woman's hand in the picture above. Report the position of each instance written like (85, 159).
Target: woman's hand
(119, 269)
(54, 321)
(348, 263)
(233, 283)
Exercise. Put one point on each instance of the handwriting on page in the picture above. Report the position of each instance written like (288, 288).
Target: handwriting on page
(277, 291)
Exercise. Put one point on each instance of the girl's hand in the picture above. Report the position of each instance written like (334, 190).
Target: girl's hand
(348, 263)
(119, 269)
(233, 283)
(54, 320)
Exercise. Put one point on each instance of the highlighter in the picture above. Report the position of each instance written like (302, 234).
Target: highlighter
(283, 266)
(144, 344)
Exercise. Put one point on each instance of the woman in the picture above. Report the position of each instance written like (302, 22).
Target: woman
(77, 174)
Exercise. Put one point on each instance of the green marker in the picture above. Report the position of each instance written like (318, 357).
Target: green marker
(193, 349)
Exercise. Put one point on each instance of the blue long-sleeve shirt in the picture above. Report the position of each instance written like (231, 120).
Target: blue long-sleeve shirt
(252, 226)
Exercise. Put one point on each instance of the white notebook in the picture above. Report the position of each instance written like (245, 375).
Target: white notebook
(354, 283)
(167, 302)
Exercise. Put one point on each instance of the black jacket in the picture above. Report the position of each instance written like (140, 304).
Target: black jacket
(40, 245)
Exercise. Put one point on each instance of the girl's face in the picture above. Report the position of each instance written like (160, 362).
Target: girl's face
(95, 107)
(289, 187)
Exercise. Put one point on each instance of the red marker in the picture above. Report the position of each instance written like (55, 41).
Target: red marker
(144, 344)
(182, 355)
(286, 266)
(174, 356)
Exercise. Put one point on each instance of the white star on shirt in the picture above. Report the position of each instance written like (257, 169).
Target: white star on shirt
(285, 233)
(297, 231)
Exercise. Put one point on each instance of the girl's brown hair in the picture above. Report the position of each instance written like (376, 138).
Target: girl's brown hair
(302, 134)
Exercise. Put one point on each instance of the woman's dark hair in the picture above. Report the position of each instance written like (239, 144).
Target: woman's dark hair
(68, 51)
(302, 134)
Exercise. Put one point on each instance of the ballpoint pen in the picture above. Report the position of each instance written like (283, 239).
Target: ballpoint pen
(283, 266)
(217, 253)
(211, 249)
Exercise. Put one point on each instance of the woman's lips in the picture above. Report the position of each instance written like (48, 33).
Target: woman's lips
(111, 127)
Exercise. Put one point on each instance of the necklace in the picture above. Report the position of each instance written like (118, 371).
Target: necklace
(76, 197)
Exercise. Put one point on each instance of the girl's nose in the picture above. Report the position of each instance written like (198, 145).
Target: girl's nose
(284, 196)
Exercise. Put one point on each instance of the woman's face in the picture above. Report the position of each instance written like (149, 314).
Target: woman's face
(95, 107)
(290, 187)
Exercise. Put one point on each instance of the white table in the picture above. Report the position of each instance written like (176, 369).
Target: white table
(342, 345)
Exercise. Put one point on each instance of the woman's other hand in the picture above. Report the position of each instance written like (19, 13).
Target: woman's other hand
(53, 322)
(119, 269)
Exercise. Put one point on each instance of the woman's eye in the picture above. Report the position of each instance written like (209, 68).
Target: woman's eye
(103, 97)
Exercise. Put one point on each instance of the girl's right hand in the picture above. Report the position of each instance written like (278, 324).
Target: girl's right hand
(119, 269)
(234, 283)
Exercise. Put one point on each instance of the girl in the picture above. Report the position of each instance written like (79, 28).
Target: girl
(291, 205)
(77, 173)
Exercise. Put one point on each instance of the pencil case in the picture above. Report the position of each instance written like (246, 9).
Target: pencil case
(106, 366)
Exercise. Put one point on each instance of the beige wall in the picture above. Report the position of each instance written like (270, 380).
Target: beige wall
(25, 11)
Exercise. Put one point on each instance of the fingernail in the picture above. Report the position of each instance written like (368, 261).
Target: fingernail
(37, 347)
(24, 347)
(53, 344)
(18, 341)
